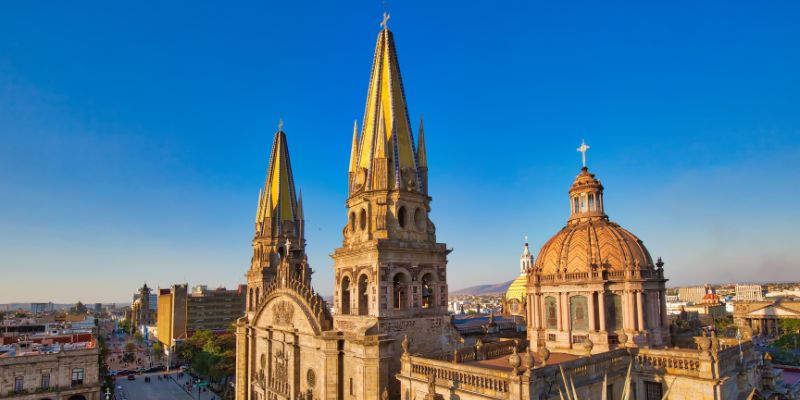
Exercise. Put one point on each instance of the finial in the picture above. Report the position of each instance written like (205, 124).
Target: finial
(583, 150)
(526, 239)
(385, 22)
(280, 124)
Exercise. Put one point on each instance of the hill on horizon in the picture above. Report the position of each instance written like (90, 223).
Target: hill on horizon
(497, 288)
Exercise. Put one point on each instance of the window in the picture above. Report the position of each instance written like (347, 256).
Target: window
(579, 313)
(77, 376)
(551, 312)
(427, 290)
(45, 380)
(352, 222)
(614, 312)
(575, 206)
(363, 295)
(653, 390)
(345, 295)
(610, 391)
(591, 202)
(401, 216)
(400, 291)
(362, 220)
(19, 384)
(551, 337)
(351, 386)
(583, 202)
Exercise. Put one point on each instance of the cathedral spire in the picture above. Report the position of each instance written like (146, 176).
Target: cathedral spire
(422, 156)
(386, 129)
(278, 211)
(354, 148)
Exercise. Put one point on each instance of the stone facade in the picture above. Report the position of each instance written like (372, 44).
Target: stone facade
(63, 375)
(763, 317)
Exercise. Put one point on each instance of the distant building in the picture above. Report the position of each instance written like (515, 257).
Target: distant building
(515, 298)
(29, 370)
(41, 308)
(143, 308)
(763, 317)
(749, 293)
(692, 294)
(181, 313)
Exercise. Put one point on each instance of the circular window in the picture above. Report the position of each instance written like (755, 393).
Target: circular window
(263, 361)
(401, 217)
(311, 378)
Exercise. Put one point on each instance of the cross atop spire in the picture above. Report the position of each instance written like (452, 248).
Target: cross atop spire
(583, 150)
(385, 22)
(280, 124)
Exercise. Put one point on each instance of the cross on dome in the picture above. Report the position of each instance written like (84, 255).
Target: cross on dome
(584, 147)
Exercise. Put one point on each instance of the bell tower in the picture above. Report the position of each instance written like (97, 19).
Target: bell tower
(390, 273)
(279, 225)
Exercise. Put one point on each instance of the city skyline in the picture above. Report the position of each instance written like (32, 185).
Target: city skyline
(123, 168)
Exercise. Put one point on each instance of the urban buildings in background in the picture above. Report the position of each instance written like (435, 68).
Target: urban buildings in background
(43, 355)
(181, 313)
(143, 309)
(594, 302)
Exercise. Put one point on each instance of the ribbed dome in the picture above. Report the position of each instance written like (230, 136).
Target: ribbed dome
(579, 246)
(590, 239)
(518, 288)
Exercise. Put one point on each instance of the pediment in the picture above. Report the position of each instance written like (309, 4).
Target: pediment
(774, 311)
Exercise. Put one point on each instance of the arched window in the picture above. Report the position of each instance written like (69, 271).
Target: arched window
(352, 221)
(579, 313)
(363, 295)
(250, 300)
(401, 216)
(258, 294)
(419, 219)
(400, 291)
(551, 312)
(345, 295)
(575, 205)
(583, 202)
(281, 252)
(591, 202)
(362, 219)
(613, 312)
(427, 290)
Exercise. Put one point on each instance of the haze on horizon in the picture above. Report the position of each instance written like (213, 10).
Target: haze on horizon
(135, 139)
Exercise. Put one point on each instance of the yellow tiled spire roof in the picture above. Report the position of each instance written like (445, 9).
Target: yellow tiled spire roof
(278, 211)
(386, 128)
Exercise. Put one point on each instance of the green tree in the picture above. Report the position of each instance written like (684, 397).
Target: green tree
(79, 309)
(789, 325)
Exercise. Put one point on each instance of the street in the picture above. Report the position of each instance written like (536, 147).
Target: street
(164, 389)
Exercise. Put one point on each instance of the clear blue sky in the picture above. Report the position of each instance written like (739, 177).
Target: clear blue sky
(134, 137)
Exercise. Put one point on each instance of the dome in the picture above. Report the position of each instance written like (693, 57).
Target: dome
(590, 240)
(518, 288)
(601, 243)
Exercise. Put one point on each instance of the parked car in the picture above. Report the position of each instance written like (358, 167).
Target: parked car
(131, 377)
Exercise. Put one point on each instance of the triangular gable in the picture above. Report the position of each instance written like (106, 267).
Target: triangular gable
(774, 310)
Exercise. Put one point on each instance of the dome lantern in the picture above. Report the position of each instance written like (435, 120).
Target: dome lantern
(586, 197)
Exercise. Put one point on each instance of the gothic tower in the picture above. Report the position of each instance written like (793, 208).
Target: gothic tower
(390, 273)
(278, 225)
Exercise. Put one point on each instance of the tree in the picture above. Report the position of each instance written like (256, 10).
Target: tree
(789, 325)
(158, 348)
(130, 347)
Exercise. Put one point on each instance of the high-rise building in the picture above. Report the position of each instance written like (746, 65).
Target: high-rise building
(749, 293)
(181, 312)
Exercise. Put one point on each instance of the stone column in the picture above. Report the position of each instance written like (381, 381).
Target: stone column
(627, 314)
(560, 311)
(639, 312)
(601, 301)
(534, 306)
(592, 324)
(664, 316)
(567, 324)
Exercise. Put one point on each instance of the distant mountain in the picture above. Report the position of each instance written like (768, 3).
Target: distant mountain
(497, 288)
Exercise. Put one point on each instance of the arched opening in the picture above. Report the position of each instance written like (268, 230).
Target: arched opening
(352, 221)
(258, 295)
(345, 295)
(579, 313)
(401, 216)
(281, 251)
(419, 219)
(362, 219)
(400, 291)
(551, 312)
(363, 295)
(427, 290)
(250, 300)
(613, 312)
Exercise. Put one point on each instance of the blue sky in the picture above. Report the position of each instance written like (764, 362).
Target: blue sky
(134, 137)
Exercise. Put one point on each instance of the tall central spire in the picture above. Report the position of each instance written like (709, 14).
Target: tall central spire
(386, 128)
(279, 213)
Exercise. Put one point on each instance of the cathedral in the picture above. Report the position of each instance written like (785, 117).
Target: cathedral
(593, 298)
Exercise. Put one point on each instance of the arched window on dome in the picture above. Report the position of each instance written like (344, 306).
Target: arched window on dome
(613, 312)
(575, 205)
(591, 202)
(551, 312)
(583, 202)
(579, 313)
